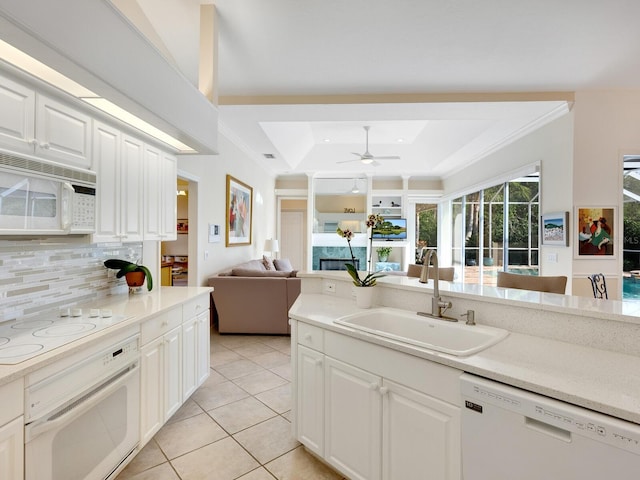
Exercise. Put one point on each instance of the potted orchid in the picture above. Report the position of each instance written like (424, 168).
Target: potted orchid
(370, 279)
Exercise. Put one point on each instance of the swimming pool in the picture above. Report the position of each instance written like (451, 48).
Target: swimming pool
(630, 288)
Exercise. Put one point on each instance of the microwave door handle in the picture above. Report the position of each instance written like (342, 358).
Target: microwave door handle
(67, 206)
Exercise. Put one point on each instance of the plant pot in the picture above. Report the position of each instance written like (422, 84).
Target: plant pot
(487, 261)
(135, 279)
(382, 258)
(364, 296)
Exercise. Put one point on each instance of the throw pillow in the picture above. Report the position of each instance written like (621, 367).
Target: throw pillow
(282, 264)
(243, 272)
(253, 265)
(268, 263)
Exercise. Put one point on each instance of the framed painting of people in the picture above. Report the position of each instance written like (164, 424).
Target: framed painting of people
(595, 232)
(239, 212)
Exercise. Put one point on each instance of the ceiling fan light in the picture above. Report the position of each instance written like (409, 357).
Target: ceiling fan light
(367, 161)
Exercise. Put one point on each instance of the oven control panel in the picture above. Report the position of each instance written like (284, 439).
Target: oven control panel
(120, 353)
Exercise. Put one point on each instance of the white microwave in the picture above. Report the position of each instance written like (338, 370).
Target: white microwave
(45, 198)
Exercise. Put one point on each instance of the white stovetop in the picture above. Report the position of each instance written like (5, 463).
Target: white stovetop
(600, 380)
(135, 308)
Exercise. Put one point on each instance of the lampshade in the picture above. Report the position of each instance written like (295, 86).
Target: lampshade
(271, 245)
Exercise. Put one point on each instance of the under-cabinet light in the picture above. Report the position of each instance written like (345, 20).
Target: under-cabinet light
(25, 62)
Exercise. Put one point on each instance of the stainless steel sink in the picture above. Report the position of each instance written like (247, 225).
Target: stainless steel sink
(407, 327)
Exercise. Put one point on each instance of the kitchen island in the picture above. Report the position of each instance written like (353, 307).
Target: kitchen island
(577, 350)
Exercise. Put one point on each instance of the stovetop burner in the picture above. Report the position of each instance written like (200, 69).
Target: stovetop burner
(15, 351)
(23, 339)
(64, 330)
(30, 324)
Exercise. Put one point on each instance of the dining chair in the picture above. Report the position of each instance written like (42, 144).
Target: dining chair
(551, 284)
(599, 286)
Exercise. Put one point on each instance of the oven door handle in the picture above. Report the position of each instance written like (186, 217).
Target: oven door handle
(87, 401)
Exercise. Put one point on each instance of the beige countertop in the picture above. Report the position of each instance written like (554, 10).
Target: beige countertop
(600, 380)
(136, 307)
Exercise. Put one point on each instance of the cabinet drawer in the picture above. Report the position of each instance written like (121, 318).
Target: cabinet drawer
(195, 307)
(12, 401)
(160, 324)
(310, 336)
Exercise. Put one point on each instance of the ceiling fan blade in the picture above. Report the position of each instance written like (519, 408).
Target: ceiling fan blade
(391, 157)
(349, 161)
(358, 154)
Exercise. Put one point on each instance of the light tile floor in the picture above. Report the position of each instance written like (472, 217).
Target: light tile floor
(236, 425)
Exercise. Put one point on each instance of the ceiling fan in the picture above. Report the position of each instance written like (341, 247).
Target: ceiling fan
(366, 157)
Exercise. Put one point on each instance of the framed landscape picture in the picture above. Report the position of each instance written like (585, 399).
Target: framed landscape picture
(239, 212)
(555, 228)
(596, 232)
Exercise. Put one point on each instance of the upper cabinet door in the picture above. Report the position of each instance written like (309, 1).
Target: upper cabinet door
(169, 199)
(17, 116)
(62, 133)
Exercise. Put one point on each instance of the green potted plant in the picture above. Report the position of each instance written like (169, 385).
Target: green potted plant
(134, 274)
(383, 253)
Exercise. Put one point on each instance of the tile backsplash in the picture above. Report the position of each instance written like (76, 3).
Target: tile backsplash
(38, 276)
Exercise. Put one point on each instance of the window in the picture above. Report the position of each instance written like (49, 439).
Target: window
(496, 229)
(631, 221)
(426, 228)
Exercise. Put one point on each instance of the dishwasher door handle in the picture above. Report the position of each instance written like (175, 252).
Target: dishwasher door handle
(547, 429)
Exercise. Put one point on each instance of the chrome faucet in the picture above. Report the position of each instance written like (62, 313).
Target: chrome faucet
(438, 307)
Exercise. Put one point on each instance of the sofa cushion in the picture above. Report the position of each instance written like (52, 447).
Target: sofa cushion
(283, 265)
(252, 265)
(248, 272)
(268, 263)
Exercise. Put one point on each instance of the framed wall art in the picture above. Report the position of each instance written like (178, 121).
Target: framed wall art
(239, 212)
(595, 232)
(555, 228)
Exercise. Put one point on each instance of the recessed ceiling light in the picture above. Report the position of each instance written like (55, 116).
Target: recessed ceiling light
(400, 140)
(326, 140)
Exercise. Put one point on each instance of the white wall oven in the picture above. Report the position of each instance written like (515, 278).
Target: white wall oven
(44, 198)
(82, 413)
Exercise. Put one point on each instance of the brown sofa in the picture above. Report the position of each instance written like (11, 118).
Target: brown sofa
(251, 299)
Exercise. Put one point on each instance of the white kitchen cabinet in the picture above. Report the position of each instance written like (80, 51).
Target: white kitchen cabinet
(387, 415)
(420, 435)
(12, 430)
(160, 371)
(310, 395)
(173, 371)
(196, 348)
(161, 382)
(118, 161)
(36, 124)
(62, 133)
(12, 449)
(17, 116)
(353, 407)
(190, 356)
(204, 347)
(160, 195)
(151, 389)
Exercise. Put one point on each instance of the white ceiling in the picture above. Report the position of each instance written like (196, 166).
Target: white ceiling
(369, 55)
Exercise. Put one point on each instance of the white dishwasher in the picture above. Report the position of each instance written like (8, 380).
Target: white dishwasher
(513, 434)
